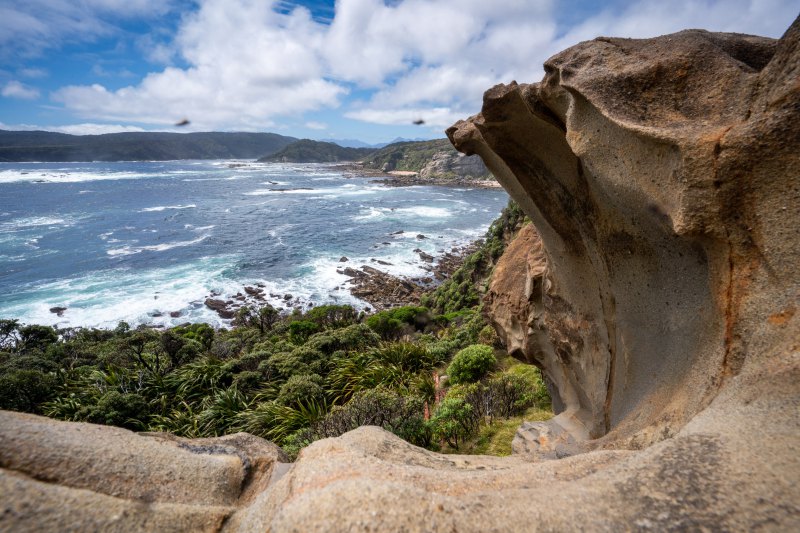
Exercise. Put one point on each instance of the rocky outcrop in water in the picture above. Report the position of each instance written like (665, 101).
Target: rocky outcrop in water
(662, 176)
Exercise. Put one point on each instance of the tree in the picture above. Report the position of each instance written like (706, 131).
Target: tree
(454, 421)
(9, 333)
(471, 364)
(24, 390)
(263, 318)
(36, 338)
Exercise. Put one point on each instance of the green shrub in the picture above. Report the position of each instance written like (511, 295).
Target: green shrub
(333, 316)
(29, 362)
(302, 389)
(392, 365)
(251, 361)
(199, 378)
(36, 338)
(247, 380)
(263, 318)
(471, 364)
(221, 411)
(532, 376)
(283, 365)
(316, 360)
(402, 415)
(276, 422)
(488, 336)
(392, 323)
(454, 421)
(351, 338)
(24, 390)
(300, 330)
(115, 408)
(201, 332)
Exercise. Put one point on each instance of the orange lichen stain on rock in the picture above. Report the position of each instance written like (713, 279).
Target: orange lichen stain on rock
(780, 319)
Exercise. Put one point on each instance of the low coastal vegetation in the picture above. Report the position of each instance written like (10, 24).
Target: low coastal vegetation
(434, 374)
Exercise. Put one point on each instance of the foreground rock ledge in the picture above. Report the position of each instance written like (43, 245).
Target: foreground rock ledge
(662, 177)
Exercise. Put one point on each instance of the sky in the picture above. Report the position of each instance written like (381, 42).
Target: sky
(319, 69)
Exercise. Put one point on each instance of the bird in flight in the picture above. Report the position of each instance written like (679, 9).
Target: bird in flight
(184, 122)
(418, 122)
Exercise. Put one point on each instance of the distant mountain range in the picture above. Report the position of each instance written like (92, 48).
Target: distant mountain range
(137, 146)
(18, 146)
(428, 160)
(355, 143)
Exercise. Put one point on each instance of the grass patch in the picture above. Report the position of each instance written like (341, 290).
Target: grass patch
(495, 439)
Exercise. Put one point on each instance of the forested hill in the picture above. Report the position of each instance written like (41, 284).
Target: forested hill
(137, 146)
(308, 151)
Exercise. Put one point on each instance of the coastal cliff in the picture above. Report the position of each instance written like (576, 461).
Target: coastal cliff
(658, 293)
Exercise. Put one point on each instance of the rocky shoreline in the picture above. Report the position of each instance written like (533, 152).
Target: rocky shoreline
(381, 290)
(409, 179)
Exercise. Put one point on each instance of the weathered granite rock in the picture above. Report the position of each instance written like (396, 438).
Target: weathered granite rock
(58, 476)
(221, 307)
(662, 176)
(512, 300)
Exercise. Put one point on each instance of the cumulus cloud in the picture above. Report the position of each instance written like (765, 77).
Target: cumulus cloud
(248, 62)
(443, 78)
(74, 129)
(29, 27)
(15, 89)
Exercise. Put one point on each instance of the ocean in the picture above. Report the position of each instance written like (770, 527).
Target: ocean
(147, 242)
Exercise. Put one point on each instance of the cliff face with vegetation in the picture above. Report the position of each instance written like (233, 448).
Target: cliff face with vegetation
(429, 159)
(308, 151)
(659, 295)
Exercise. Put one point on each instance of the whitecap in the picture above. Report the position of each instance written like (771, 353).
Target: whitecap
(66, 176)
(130, 250)
(372, 213)
(165, 207)
(32, 222)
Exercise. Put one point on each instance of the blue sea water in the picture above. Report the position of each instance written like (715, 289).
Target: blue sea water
(137, 241)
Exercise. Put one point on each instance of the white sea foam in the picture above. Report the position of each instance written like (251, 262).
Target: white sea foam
(130, 250)
(346, 190)
(373, 213)
(33, 222)
(66, 176)
(102, 299)
(165, 207)
(265, 192)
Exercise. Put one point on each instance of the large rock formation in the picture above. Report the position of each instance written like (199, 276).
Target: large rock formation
(662, 176)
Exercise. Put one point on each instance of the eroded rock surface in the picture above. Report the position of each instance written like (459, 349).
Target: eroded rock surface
(662, 177)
